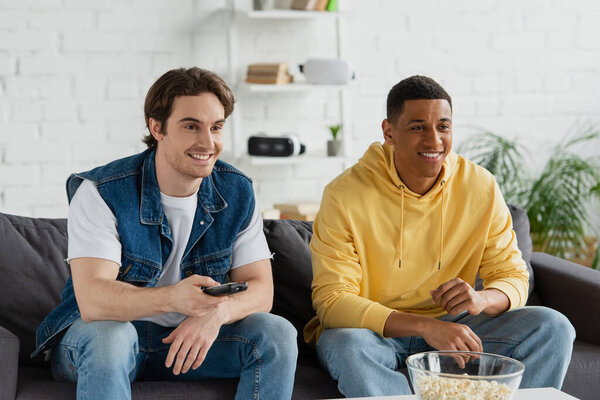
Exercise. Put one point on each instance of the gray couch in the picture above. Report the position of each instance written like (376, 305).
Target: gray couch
(33, 272)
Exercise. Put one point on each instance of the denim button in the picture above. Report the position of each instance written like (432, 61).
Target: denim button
(201, 222)
(188, 274)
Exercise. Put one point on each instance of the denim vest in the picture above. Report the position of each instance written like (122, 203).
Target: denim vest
(130, 189)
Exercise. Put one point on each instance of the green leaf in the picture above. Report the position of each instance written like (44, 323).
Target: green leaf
(335, 129)
(501, 157)
(556, 199)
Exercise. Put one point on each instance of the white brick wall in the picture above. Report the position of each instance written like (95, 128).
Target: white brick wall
(73, 75)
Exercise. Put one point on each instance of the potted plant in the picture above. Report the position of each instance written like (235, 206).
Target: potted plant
(334, 146)
(556, 200)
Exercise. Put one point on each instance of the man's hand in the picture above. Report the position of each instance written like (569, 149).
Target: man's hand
(191, 340)
(442, 335)
(456, 296)
(186, 296)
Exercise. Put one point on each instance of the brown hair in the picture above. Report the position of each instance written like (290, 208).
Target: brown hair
(182, 82)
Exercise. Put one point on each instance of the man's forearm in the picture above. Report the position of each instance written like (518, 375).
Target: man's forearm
(120, 301)
(257, 298)
(400, 324)
(497, 301)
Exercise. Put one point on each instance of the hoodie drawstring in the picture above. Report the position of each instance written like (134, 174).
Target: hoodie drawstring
(401, 225)
(441, 227)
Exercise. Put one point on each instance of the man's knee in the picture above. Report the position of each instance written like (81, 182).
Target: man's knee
(550, 323)
(110, 341)
(345, 351)
(345, 344)
(274, 335)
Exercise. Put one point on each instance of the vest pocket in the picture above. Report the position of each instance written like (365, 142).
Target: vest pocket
(216, 266)
(137, 272)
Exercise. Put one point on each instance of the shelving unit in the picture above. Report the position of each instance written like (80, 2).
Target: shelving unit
(301, 159)
(290, 14)
(238, 135)
(291, 87)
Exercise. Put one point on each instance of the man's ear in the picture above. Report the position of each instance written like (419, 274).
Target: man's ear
(155, 129)
(386, 127)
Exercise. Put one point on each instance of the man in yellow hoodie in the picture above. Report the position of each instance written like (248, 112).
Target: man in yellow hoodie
(397, 245)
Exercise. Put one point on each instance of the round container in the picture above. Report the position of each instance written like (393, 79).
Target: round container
(457, 375)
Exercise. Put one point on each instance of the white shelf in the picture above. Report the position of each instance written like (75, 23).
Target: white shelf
(301, 159)
(288, 87)
(291, 14)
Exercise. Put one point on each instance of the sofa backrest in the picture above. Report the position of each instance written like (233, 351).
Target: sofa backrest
(33, 271)
(32, 274)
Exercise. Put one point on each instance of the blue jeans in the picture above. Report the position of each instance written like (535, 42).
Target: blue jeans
(365, 364)
(104, 357)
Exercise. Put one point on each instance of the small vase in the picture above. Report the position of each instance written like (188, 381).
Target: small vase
(334, 148)
(263, 5)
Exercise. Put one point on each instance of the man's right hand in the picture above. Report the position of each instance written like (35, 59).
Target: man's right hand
(440, 335)
(186, 297)
(443, 335)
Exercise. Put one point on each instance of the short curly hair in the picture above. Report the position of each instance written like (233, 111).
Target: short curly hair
(416, 87)
(182, 82)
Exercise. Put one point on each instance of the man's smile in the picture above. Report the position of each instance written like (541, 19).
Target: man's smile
(431, 154)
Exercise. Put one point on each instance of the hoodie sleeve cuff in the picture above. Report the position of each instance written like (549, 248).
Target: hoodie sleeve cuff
(375, 317)
(515, 297)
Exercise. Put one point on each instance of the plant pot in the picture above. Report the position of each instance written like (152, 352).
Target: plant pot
(334, 148)
(263, 5)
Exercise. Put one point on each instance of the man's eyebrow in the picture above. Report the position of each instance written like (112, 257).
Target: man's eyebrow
(197, 121)
(420, 121)
(190, 119)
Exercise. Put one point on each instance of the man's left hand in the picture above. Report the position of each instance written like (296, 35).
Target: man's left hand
(456, 296)
(190, 342)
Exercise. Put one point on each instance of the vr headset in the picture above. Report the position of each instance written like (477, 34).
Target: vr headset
(284, 146)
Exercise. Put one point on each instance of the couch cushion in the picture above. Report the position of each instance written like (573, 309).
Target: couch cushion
(37, 383)
(292, 270)
(33, 274)
(311, 382)
(582, 376)
(521, 228)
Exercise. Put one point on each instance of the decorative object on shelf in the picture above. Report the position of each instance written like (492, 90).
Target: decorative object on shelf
(334, 146)
(327, 71)
(300, 211)
(557, 200)
(311, 5)
(269, 73)
(285, 146)
(263, 5)
(270, 213)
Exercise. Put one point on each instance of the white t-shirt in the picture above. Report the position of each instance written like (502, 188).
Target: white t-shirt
(93, 233)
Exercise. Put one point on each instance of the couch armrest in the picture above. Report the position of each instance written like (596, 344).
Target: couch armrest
(9, 364)
(572, 289)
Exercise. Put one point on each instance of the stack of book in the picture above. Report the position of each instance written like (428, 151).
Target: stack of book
(314, 5)
(299, 211)
(273, 74)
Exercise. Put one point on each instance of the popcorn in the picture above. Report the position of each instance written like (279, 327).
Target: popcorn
(438, 388)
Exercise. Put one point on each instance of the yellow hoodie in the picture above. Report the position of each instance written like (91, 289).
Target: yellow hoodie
(378, 247)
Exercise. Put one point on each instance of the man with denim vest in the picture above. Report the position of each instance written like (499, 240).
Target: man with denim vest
(146, 234)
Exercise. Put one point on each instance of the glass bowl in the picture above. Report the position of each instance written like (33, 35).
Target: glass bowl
(458, 375)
